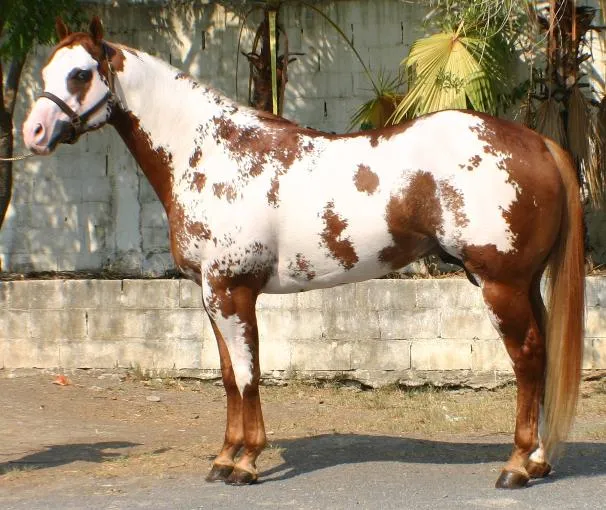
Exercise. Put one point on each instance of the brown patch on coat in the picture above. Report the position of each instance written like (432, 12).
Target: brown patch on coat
(366, 180)
(414, 218)
(221, 189)
(341, 249)
(155, 163)
(301, 268)
(198, 181)
(454, 202)
(77, 87)
(195, 157)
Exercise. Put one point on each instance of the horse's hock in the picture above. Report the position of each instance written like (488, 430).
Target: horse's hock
(378, 332)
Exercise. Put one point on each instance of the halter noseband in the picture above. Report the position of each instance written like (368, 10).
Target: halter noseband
(78, 122)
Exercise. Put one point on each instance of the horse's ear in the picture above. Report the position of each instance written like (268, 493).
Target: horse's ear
(61, 27)
(96, 29)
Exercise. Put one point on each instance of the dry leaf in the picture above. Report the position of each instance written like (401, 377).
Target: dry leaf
(62, 380)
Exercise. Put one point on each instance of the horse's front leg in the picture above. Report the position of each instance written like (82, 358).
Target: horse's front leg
(232, 314)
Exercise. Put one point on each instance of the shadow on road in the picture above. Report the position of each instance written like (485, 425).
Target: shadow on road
(309, 454)
(57, 455)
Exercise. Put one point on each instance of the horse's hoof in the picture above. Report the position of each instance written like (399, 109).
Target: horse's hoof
(241, 477)
(512, 480)
(538, 469)
(219, 473)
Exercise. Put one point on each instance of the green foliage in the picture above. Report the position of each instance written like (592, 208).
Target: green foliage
(24, 23)
(468, 64)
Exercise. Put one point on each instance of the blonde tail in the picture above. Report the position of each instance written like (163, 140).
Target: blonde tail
(565, 317)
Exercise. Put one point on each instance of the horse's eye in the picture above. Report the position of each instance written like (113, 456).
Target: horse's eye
(82, 75)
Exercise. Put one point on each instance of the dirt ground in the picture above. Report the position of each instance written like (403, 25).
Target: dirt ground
(108, 424)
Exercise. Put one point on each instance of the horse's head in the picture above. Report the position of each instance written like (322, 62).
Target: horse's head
(77, 95)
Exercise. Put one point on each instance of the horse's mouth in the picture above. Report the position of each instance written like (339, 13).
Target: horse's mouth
(63, 132)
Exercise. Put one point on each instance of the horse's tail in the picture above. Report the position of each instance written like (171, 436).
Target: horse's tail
(565, 317)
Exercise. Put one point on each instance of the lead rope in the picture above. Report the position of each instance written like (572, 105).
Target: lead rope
(18, 158)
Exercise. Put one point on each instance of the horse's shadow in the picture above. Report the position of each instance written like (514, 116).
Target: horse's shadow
(304, 455)
(58, 455)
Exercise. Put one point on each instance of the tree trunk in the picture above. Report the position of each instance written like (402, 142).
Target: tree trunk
(7, 107)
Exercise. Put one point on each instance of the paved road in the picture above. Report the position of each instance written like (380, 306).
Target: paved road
(351, 471)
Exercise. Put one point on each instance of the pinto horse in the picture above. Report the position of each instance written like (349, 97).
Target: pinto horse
(258, 204)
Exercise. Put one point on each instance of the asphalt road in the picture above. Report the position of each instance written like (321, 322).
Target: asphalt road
(351, 471)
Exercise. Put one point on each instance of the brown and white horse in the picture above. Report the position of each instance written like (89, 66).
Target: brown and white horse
(257, 204)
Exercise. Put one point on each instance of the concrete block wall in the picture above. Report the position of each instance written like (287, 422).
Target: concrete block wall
(377, 332)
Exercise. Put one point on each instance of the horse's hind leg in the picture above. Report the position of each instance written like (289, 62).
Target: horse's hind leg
(537, 466)
(515, 319)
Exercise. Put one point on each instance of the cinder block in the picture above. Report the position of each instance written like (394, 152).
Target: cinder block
(116, 324)
(36, 294)
(595, 291)
(321, 355)
(31, 353)
(277, 302)
(285, 324)
(595, 322)
(14, 324)
(182, 323)
(190, 294)
(312, 300)
(187, 353)
(381, 355)
(160, 294)
(589, 354)
(428, 293)
(153, 215)
(489, 355)
(441, 355)
(84, 260)
(459, 293)
(155, 238)
(466, 324)
(209, 354)
(340, 299)
(275, 352)
(96, 189)
(29, 261)
(89, 354)
(153, 354)
(362, 324)
(57, 324)
(407, 324)
(599, 353)
(92, 294)
(385, 295)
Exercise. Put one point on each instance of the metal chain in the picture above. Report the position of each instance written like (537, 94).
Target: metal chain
(18, 158)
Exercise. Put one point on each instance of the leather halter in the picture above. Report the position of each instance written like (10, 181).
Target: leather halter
(78, 122)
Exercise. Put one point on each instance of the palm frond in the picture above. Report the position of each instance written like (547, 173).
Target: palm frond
(450, 70)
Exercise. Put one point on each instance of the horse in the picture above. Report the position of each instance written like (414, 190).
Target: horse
(257, 204)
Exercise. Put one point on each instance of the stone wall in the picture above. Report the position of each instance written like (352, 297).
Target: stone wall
(377, 332)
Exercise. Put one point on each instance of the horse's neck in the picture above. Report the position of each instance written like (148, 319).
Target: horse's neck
(161, 118)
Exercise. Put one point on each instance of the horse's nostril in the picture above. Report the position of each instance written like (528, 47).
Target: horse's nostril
(38, 130)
